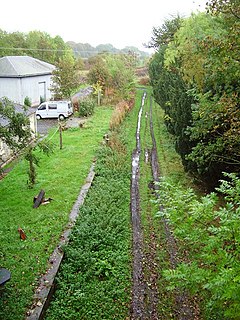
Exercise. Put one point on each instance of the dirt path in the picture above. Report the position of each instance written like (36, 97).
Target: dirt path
(145, 266)
(144, 291)
(138, 290)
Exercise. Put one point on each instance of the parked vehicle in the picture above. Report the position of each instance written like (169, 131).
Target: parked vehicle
(54, 109)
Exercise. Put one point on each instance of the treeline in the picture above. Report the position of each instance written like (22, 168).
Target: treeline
(195, 77)
(42, 46)
(37, 44)
(85, 50)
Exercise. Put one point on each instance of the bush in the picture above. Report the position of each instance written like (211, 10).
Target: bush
(119, 113)
(27, 102)
(42, 99)
(209, 235)
(86, 107)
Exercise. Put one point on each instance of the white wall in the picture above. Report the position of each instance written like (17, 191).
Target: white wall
(10, 88)
(17, 89)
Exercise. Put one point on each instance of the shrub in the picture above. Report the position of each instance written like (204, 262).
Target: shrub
(86, 107)
(209, 235)
(119, 114)
(42, 99)
(144, 81)
(27, 102)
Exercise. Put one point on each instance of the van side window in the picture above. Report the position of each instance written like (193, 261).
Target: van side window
(52, 106)
(42, 107)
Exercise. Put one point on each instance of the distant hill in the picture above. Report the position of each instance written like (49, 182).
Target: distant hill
(85, 50)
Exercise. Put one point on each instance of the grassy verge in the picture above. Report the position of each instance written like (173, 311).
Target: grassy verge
(61, 176)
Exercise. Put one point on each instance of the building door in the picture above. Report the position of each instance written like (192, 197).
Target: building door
(42, 91)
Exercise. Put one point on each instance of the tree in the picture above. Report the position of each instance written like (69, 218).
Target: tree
(164, 34)
(171, 91)
(227, 7)
(16, 131)
(37, 44)
(206, 46)
(65, 78)
(42, 145)
(114, 73)
(195, 78)
(12, 43)
(122, 77)
(99, 73)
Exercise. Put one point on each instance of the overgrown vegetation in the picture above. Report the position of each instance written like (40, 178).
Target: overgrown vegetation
(94, 281)
(115, 74)
(95, 277)
(86, 106)
(209, 238)
(207, 231)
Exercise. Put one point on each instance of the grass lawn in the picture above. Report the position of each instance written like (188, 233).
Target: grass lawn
(61, 176)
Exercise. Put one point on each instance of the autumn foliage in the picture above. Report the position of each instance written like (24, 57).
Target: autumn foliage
(121, 109)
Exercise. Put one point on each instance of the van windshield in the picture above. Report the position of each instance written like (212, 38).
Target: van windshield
(42, 107)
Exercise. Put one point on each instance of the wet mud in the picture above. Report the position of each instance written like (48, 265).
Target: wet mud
(138, 289)
(144, 290)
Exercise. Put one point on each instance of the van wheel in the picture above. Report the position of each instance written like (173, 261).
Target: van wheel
(61, 117)
(38, 117)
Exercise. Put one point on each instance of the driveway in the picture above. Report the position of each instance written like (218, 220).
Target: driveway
(44, 125)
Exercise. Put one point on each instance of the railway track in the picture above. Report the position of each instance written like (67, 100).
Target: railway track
(145, 289)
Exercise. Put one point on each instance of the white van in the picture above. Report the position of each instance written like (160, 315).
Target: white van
(54, 109)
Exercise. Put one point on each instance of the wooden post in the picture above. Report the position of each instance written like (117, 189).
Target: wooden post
(60, 135)
(99, 97)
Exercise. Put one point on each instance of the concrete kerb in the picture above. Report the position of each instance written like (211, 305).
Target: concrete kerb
(46, 286)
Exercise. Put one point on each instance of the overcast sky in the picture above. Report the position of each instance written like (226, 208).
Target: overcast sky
(121, 22)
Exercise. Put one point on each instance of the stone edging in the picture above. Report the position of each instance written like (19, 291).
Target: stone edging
(45, 289)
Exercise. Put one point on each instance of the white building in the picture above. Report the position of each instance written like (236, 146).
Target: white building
(24, 76)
